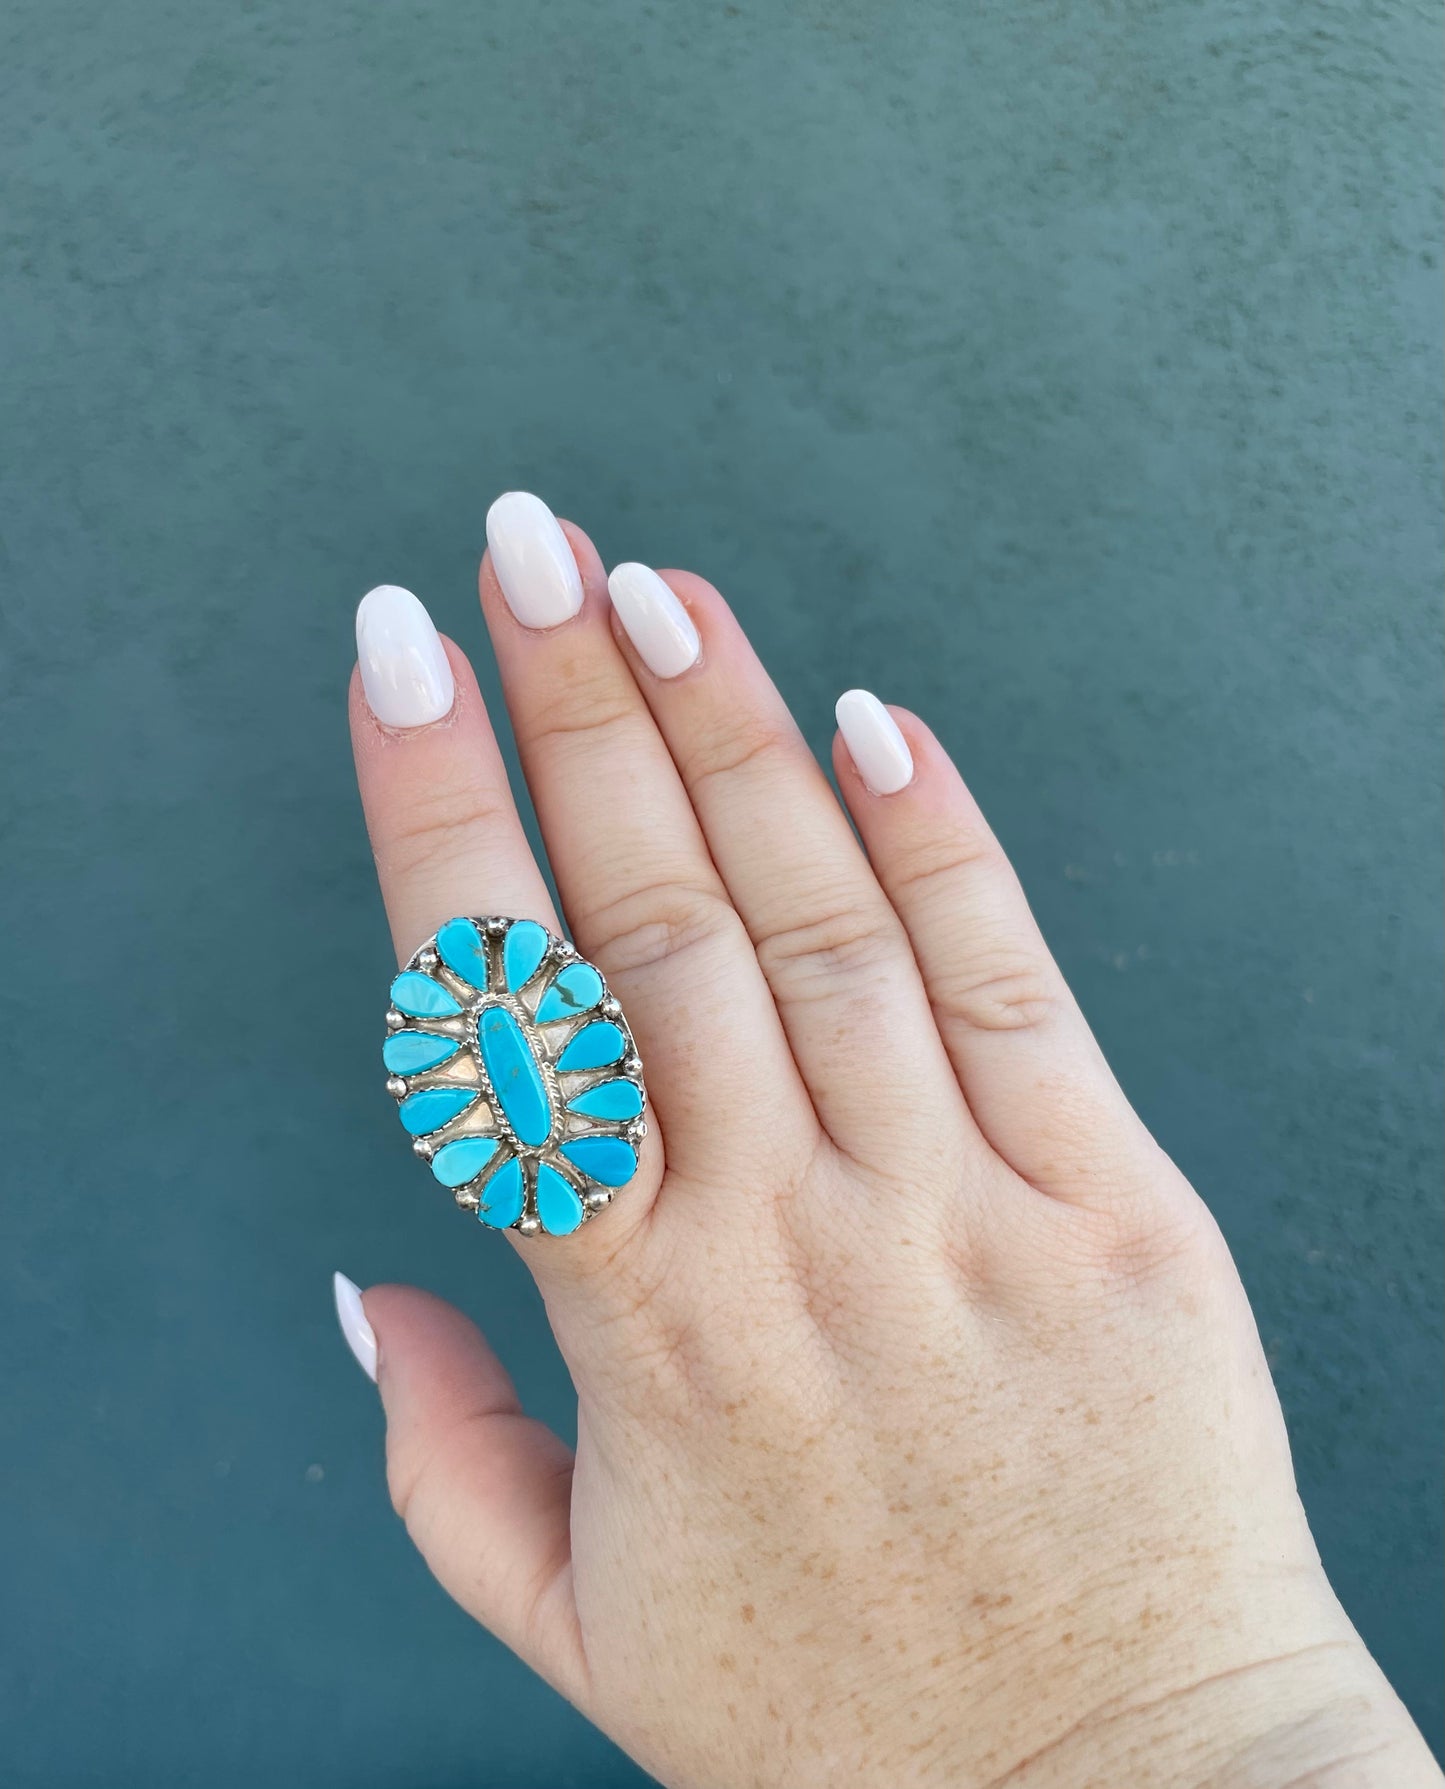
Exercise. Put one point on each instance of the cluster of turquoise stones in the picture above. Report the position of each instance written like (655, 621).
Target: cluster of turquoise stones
(515, 1074)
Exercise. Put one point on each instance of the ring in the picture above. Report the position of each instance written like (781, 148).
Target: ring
(516, 1075)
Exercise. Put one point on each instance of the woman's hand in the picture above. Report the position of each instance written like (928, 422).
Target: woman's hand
(923, 1434)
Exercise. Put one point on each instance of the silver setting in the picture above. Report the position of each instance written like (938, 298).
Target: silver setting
(465, 1070)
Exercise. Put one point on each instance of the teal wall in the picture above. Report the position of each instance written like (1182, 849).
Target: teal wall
(1070, 373)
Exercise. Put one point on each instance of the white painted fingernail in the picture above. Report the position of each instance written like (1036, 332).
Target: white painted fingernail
(360, 1337)
(404, 669)
(656, 622)
(532, 560)
(879, 751)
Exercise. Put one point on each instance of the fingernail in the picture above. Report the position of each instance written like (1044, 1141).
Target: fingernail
(879, 751)
(404, 669)
(360, 1337)
(656, 622)
(532, 560)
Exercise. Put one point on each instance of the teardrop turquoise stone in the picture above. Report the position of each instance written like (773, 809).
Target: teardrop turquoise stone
(558, 1206)
(595, 1046)
(502, 1196)
(410, 1052)
(429, 1111)
(577, 988)
(422, 997)
(613, 1099)
(525, 946)
(515, 1077)
(454, 1164)
(464, 951)
(607, 1160)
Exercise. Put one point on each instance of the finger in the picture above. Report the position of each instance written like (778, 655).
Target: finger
(443, 825)
(485, 1491)
(633, 871)
(1026, 1060)
(833, 951)
(448, 840)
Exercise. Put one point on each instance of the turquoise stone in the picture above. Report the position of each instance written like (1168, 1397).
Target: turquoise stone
(577, 988)
(429, 1111)
(464, 951)
(502, 1196)
(607, 1160)
(558, 1206)
(595, 1046)
(613, 1099)
(525, 946)
(515, 1077)
(422, 997)
(454, 1164)
(409, 1052)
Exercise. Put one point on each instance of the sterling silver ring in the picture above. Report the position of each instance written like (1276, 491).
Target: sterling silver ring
(515, 1074)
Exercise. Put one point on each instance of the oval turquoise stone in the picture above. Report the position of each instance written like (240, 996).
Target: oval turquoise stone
(515, 1077)
(613, 1099)
(502, 1196)
(454, 1164)
(522, 953)
(577, 988)
(411, 1052)
(421, 997)
(595, 1046)
(607, 1160)
(558, 1206)
(464, 951)
(429, 1111)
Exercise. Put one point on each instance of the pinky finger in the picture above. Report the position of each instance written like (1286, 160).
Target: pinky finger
(1028, 1064)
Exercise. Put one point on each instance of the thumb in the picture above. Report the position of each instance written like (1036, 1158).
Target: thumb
(485, 1491)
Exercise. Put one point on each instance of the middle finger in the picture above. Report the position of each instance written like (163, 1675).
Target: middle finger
(639, 887)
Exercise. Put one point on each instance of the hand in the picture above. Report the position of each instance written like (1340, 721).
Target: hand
(923, 1430)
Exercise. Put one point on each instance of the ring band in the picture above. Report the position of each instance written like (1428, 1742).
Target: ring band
(515, 1074)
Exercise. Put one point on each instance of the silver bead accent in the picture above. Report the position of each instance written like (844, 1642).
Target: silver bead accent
(467, 1200)
(424, 1147)
(496, 926)
(610, 1008)
(395, 1086)
(597, 1198)
(529, 1225)
(395, 1020)
(562, 950)
(427, 959)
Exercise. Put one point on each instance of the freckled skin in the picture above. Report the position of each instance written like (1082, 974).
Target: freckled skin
(924, 1434)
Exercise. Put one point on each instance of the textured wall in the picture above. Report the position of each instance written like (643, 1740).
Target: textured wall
(1067, 372)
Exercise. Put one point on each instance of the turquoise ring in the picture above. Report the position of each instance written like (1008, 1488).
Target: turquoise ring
(515, 1074)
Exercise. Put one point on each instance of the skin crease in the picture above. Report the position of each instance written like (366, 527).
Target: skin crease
(924, 1434)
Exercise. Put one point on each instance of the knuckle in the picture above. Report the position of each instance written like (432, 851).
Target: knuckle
(937, 865)
(736, 749)
(839, 943)
(1009, 992)
(593, 710)
(412, 1472)
(1140, 1238)
(657, 925)
(441, 828)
